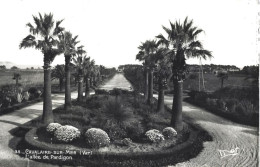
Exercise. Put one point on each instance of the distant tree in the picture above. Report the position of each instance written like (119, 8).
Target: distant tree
(222, 76)
(17, 77)
(193, 76)
(252, 72)
(32, 68)
(80, 63)
(59, 73)
(2, 67)
(14, 68)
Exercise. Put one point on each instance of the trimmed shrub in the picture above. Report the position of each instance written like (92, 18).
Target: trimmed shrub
(169, 133)
(154, 135)
(97, 138)
(52, 127)
(66, 133)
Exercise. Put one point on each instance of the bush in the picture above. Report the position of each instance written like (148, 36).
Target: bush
(116, 92)
(114, 130)
(154, 136)
(66, 133)
(34, 92)
(101, 92)
(245, 108)
(169, 133)
(52, 127)
(97, 138)
(114, 110)
(127, 142)
(221, 104)
(231, 104)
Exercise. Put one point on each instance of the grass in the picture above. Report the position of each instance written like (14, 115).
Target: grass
(29, 78)
(213, 83)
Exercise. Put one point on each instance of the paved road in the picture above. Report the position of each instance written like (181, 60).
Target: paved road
(9, 137)
(118, 81)
(226, 134)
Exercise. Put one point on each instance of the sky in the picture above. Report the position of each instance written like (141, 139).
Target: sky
(111, 30)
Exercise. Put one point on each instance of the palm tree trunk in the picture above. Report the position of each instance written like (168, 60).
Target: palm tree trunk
(150, 87)
(80, 89)
(16, 82)
(160, 103)
(60, 84)
(47, 116)
(176, 120)
(87, 90)
(67, 83)
(91, 82)
(146, 85)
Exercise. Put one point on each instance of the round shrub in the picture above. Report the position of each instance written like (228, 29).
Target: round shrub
(66, 133)
(97, 138)
(52, 127)
(154, 135)
(169, 133)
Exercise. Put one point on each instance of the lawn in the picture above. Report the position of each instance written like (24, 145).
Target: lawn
(213, 83)
(28, 77)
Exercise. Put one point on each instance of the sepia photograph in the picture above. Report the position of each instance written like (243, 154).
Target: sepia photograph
(129, 83)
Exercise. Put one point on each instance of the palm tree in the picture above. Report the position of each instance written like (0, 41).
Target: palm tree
(59, 73)
(147, 54)
(222, 76)
(89, 69)
(80, 65)
(181, 40)
(140, 57)
(43, 37)
(67, 44)
(163, 71)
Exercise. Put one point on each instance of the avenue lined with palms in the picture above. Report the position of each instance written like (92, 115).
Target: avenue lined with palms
(163, 64)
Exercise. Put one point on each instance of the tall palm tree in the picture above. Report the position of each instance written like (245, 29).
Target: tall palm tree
(147, 54)
(140, 56)
(43, 36)
(163, 71)
(80, 64)
(89, 69)
(182, 41)
(59, 73)
(67, 44)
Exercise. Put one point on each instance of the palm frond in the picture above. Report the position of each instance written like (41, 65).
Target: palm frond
(28, 41)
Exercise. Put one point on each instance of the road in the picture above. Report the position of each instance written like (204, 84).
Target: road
(226, 134)
(10, 136)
